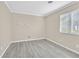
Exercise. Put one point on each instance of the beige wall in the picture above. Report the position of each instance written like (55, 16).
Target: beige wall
(53, 32)
(5, 27)
(15, 27)
(27, 27)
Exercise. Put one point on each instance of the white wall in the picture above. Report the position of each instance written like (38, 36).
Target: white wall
(53, 32)
(15, 27)
(27, 27)
(5, 27)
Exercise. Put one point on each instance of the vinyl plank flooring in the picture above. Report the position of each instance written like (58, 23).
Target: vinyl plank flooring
(37, 49)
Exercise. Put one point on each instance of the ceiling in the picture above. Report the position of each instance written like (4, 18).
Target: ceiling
(38, 8)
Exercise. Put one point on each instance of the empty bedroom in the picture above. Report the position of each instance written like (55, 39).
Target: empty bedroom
(39, 29)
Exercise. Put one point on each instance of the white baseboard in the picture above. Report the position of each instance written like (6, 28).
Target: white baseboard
(19, 41)
(5, 49)
(41, 39)
(27, 40)
(64, 46)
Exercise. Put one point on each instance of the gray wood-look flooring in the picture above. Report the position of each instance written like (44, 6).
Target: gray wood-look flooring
(37, 49)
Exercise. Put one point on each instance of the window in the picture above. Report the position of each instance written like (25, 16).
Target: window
(69, 22)
(65, 23)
